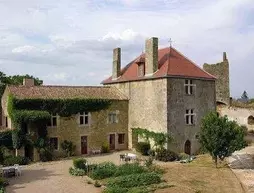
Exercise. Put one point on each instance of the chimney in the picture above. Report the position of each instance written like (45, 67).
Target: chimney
(224, 56)
(28, 82)
(116, 63)
(151, 63)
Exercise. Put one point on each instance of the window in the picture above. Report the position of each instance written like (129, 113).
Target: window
(6, 121)
(112, 117)
(189, 117)
(141, 70)
(251, 120)
(53, 121)
(189, 87)
(84, 118)
(121, 138)
(53, 143)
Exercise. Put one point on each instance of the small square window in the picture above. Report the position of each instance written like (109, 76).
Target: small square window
(53, 141)
(112, 117)
(121, 138)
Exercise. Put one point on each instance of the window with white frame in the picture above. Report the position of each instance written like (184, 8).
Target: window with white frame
(189, 117)
(189, 87)
(53, 121)
(112, 117)
(84, 118)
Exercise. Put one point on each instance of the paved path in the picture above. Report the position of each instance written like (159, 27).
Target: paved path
(53, 177)
(242, 164)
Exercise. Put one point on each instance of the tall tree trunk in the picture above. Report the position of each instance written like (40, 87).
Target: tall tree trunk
(16, 152)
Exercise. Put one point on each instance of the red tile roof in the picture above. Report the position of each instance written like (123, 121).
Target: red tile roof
(170, 63)
(66, 92)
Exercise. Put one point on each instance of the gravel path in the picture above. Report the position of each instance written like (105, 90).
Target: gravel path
(53, 177)
(242, 164)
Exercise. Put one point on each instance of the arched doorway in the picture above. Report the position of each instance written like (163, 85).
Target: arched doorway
(187, 147)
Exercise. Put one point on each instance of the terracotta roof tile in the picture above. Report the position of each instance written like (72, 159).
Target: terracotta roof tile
(66, 92)
(170, 63)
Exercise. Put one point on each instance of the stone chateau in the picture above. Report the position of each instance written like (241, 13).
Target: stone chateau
(160, 90)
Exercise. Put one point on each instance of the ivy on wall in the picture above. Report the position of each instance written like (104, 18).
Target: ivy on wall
(159, 138)
(39, 111)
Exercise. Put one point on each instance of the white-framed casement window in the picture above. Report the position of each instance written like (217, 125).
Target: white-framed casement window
(190, 117)
(84, 118)
(121, 138)
(112, 117)
(53, 121)
(189, 87)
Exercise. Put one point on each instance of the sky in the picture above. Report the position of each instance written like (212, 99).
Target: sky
(70, 42)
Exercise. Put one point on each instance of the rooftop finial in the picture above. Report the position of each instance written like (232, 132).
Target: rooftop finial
(170, 42)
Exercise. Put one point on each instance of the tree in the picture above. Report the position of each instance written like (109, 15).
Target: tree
(220, 137)
(244, 96)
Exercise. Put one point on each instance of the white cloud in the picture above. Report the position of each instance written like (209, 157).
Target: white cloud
(74, 39)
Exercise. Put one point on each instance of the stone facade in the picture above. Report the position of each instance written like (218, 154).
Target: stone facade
(243, 116)
(221, 71)
(201, 101)
(97, 130)
(159, 105)
(147, 104)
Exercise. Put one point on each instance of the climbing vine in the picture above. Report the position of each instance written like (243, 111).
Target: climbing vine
(39, 111)
(159, 138)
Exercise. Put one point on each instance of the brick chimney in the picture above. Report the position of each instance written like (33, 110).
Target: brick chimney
(116, 63)
(224, 56)
(151, 63)
(28, 82)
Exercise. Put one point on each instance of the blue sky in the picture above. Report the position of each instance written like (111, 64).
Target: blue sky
(71, 41)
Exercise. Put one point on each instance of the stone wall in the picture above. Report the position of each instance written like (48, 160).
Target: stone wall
(240, 115)
(202, 101)
(147, 104)
(221, 71)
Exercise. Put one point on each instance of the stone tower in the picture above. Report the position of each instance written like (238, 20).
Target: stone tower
(221, 72)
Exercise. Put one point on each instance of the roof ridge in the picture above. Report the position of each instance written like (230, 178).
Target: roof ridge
(193, 62)
(70, 86)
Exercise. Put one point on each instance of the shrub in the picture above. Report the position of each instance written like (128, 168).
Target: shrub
(105, 148)
(135, 180)
(80, 163)
(149, 161)
(183, 156)
(156, 169)
(3, 182)
(97, 184)
(11, 160)
(77, 172)
(2, 189)
(103, 170)
(143, 148)
(68, 147)
(166, 155)
(45, 154)
(116, 189)
(127, 169)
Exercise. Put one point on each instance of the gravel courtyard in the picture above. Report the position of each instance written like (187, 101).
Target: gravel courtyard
(53, 177)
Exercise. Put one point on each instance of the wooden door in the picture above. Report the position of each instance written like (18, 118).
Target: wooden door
(187, 147)
(83, 144)
(112, 141)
